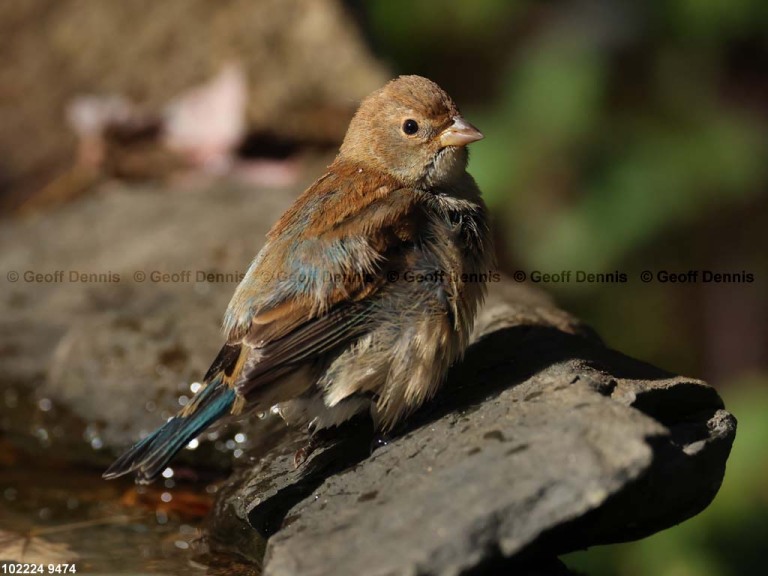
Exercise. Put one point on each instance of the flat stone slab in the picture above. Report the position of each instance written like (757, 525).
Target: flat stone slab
(543, 441)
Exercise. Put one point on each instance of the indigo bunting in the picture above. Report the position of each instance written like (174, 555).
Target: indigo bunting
(366, 290)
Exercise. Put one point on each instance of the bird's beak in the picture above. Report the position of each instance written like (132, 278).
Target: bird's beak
(460, 133)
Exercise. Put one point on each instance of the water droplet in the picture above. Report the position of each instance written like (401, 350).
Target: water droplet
(168, 472)
(169, 483)
(45, 513)
(150, 406)
(45, 404)
(91, 435)
(166, 497)
(237, 453)
(161, 517)
(194, 387)
(42, 435)
(240, 438)
(183, 400)
(181, 544)
(230, 444)
(193, 444)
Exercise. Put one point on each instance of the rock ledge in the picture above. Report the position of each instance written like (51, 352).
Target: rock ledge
(542, 442)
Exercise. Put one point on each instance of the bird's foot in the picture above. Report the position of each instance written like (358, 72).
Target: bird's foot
(303, 453)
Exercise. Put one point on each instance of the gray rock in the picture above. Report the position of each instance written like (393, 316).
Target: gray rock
(109, 360)
(543, 441)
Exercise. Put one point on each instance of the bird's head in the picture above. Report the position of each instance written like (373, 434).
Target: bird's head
(411, 130)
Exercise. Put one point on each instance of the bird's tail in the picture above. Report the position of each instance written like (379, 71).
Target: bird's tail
(148, 458)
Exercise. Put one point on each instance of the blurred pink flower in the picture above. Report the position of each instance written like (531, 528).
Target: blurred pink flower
(207, 123)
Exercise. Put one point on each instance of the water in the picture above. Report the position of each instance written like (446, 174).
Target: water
(61, 516)
(54, 511)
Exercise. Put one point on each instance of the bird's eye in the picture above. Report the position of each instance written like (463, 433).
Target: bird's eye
(410, 127)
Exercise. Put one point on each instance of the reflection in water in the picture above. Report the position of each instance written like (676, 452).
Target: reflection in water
(71, 516)
(53, 510)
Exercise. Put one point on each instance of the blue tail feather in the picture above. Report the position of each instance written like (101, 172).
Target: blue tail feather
(149, 457)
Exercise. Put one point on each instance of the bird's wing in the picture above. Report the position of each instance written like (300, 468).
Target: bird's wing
(309, 290)
(265, 355)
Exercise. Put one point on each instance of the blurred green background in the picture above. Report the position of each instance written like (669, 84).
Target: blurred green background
(628, 136)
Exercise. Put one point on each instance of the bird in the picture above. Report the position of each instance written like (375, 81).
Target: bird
(366, 289)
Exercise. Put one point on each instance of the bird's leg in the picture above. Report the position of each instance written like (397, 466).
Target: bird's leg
(303, 453)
